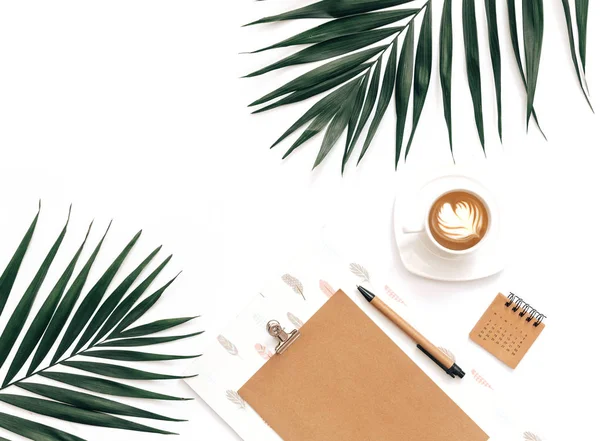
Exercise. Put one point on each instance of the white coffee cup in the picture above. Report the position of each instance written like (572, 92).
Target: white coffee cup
(424, 225)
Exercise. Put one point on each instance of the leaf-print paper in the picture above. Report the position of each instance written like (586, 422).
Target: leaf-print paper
(480, 380)
(227, 345)
(326, 288)
(294, 283)
(263, 351)
(218, 371)
(360, 271)
(235, 398)
(295, 320)
(528, 436)
(392, 295)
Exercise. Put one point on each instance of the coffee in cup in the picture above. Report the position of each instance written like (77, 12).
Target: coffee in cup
(458, 220)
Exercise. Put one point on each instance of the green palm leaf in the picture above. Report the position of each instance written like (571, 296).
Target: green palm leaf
(39, 324)
(112, 301)
(581, 14)
(338, 123)
(446, 55)
(514, 38)
(74, 414)
(473, 69)
(333, 8)
(64, 310)
(107, 387)
(492, 21)
(135, 356)
(125, 306)
(404, 82)
(116, 371)
(331, 48)
(423, 63)
(353, 39)
(344, 26)
(10, 273)
(366, 111)
(580, 71)
(533, 37)
(146, 341)
(387, 90)
(87, 328)
(91, 301)
(32, 430)
(91, 402)
(17, 319)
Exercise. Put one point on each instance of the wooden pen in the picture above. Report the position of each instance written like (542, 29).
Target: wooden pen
(432, 351)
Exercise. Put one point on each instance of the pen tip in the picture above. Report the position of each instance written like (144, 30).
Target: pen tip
(366, 293)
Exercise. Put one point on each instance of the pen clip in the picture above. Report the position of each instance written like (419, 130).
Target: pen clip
(275, 329)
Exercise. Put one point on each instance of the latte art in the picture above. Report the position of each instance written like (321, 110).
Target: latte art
(458, 220)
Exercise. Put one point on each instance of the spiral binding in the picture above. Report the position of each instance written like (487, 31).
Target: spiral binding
(517, 303)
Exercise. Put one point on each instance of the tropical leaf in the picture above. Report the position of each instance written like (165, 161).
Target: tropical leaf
(492, 22)
(344, 26)
(423, 61)
(387, 89)
(581, 15)
(87, 328)
(446, 55)
(331, 48)
(368, 107)
(473, 68)
(333, 8)
(116, 371)
(354, 37)
(581, 27)
(514, 38)
(338, 124)
(533, 37)
(404, 81)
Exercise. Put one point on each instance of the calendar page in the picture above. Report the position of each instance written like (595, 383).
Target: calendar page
(508, 329)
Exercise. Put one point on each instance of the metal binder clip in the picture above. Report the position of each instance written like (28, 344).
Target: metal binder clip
(285, 339)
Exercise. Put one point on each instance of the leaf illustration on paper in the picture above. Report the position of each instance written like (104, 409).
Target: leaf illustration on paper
(260, 320)
(326, 288)
(228, 346)
(360, 271)
(294, 283)
(392, 295)
(235, 398)
(528, 436)
(295, 320)
(448, 353)
(263, 351)
(480, 380)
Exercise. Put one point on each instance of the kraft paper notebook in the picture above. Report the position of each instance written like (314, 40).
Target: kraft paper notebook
(345, 379)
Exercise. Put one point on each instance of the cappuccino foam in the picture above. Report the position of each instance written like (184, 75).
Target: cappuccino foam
(458, 220)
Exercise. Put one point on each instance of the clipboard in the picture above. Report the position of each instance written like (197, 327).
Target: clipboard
(342, 378)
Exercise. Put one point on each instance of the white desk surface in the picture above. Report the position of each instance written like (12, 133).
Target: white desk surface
(135, 111)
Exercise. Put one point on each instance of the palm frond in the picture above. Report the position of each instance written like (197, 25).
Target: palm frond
(581, 10)
(99, 322)
(360, 40)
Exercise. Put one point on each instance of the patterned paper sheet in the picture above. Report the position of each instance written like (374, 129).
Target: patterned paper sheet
(292, 298)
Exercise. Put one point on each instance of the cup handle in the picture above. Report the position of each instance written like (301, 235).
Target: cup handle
(413, 229)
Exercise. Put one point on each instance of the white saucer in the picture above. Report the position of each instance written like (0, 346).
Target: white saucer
(423, 258)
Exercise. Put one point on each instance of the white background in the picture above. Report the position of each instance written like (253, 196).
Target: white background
(134, 111)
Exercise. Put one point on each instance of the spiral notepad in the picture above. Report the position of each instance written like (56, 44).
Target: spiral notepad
(508, 329)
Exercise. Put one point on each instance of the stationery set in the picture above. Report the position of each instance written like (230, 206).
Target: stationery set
(306, 361)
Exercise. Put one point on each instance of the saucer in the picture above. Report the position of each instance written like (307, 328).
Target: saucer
(423, 258)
